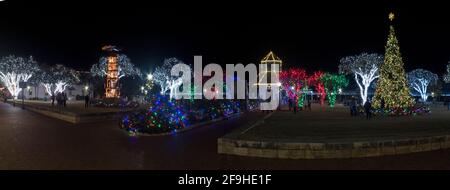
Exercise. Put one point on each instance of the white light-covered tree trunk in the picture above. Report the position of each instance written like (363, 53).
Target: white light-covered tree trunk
(60, 87)
(421, 87)
(53, 89)
(48, 88)
(365, 81)
(365, 68)
(12, 80)
(174, 84)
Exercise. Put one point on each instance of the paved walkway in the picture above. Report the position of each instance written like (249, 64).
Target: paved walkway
(33, 141)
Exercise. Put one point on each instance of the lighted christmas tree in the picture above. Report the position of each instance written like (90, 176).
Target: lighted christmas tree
(392, 90)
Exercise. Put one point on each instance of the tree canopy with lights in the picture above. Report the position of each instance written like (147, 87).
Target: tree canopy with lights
(14, 70)
(365, 68)
(314, 80)
(126, 67)
(332, 83)
(163, 78)
(447, 75)
(56, 78)
(293, 80)
(420, 80)
(392, 87)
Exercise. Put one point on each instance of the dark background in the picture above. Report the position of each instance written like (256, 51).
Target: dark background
(309, 35)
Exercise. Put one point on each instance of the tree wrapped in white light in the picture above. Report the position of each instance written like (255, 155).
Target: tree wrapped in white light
(364, 67)
(164, 79)
(447, 75)
(420, 80)
(57, 78)
(126, 67)
(14, 70)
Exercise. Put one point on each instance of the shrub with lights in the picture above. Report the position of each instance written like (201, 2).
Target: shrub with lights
(165, 115)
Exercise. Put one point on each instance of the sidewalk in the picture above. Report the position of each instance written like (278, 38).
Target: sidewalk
(74, 112)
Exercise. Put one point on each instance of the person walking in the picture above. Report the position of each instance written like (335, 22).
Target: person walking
(367, 109)
(86, 101)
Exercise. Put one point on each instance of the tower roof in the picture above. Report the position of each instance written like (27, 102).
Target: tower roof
(271, 58)
(110, 48)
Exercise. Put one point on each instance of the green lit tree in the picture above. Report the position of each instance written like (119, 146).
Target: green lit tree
(392, 88)
(332, 84)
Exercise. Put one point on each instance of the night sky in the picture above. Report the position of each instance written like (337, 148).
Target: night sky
(312, 36)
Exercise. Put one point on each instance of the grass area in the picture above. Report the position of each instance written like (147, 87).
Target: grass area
(324, 124)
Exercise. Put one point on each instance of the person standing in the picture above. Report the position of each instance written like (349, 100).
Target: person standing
(367, 109)
(354, 107)
(448, 104)
(64, 97)
(295, 108)
(53, 99)
(309, 105)
(86, 101)
(290, 104)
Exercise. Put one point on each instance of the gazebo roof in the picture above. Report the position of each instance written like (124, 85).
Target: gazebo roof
(271, 58)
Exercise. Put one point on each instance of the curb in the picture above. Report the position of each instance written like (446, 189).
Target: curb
(305, 150)
(69, 116)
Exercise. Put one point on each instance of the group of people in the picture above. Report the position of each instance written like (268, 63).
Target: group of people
(355, 108)
(61, 99)
(293, 106)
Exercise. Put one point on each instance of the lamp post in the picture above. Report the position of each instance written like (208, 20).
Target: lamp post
(86, 90)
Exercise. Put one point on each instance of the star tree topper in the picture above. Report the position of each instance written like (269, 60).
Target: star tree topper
(391, 16)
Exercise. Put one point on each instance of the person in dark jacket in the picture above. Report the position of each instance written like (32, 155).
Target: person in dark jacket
(368, 109)
(290, 104)
(53, 100)
(86, 101)
(64, 99)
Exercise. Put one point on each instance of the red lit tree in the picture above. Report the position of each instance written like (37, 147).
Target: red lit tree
(314, 80)
(293, 81)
